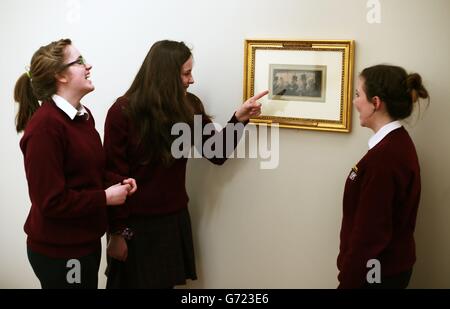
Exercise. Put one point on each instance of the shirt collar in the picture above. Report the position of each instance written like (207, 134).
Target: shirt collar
(68, 108)
(385, 130)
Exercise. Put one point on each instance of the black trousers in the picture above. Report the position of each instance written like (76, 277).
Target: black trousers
(53, 273)
(399, 281)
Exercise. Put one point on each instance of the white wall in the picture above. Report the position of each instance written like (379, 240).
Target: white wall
(253, 228)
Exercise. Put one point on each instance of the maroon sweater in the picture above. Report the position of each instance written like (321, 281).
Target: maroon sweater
(381, 198)
(64, 165)
(161, 190)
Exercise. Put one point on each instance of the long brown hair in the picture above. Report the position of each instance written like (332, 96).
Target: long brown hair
(39, 83)
(158, 100)
(398, 89)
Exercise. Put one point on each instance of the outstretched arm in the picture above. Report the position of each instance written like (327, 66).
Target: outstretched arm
(225, 141)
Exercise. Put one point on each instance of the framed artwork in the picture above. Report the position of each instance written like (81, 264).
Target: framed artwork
(309, 82)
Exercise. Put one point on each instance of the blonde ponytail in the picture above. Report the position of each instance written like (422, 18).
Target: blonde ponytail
(28, 103)
(39, 82)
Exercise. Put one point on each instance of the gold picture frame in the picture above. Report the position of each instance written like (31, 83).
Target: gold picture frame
(309, 82)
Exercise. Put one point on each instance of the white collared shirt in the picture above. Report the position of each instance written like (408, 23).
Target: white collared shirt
(385, 130)
(68, 108)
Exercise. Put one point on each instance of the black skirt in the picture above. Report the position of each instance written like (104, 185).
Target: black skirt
(160, 254)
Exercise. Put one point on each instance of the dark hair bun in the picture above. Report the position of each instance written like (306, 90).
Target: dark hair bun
(415, 87)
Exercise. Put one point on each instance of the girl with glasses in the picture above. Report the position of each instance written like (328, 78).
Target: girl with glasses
(64, 165)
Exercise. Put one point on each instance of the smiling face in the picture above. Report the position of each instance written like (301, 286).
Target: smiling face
(365, 108)
(186, 73)
(77, 73)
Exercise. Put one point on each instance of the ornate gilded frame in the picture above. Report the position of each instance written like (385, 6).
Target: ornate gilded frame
(324, 98)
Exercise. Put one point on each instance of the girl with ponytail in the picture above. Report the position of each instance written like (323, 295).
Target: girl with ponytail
(382, 191)
(64, 165)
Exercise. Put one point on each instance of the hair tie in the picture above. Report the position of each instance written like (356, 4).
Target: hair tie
(414, 95)
(27, 71)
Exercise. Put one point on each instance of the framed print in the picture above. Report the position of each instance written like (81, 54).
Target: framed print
(309, 82)
(297, 82)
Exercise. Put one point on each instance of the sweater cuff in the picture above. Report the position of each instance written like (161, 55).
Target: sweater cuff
(117, 226)
(234, 120)
(100, 197)
(113, 179)
(117, 221)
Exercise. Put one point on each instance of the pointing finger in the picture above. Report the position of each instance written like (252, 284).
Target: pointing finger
(259, 95)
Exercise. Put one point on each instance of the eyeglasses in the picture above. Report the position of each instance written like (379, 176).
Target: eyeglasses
(80, 61)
